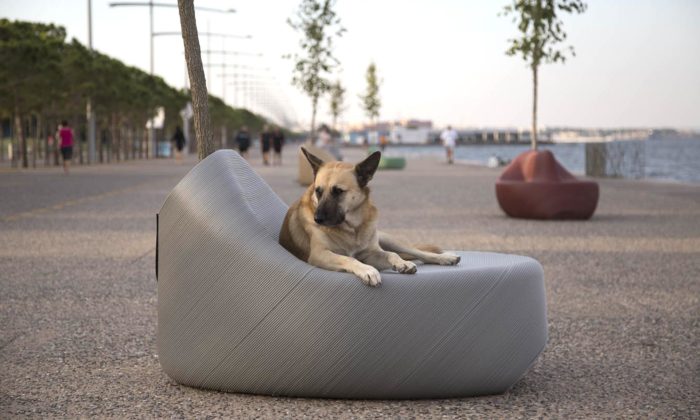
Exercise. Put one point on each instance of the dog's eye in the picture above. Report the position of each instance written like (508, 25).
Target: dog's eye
(319, 192)
(337, 191)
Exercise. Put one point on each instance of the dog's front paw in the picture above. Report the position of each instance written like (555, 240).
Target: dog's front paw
(405, 267)
(447, 258)
(369, 275)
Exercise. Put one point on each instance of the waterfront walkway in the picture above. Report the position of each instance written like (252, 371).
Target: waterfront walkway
(78, 295)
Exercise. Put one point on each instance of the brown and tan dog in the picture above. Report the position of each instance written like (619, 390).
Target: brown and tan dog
(333, 225)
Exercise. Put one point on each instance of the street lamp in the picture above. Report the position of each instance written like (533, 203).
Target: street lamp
(224, 65)
(208, 51)
(151, 4)
(88, 111)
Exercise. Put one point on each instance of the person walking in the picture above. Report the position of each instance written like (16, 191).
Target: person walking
(65, 133)
(326, 141)
(449, 141)
(179, 140)
(277, 144)
(265, 140)
(383, 141)
(243, 141)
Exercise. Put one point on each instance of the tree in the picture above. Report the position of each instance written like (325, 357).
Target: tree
(64, 74)
(29, 57)
(200, 98)
(371, 103)
(541, 30)
(318, 24)
(337, 102)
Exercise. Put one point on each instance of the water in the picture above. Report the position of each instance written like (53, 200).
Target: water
(668, 159)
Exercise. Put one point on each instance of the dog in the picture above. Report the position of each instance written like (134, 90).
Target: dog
(333, 225)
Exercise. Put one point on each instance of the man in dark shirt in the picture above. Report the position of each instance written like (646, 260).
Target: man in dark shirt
(277, 143)
(243, 141)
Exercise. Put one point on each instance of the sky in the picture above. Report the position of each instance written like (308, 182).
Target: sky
(637, 62)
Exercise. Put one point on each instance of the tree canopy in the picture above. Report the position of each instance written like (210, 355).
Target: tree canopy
(337, 101)
(540, 33)
(371, 103)
(317, 22)
(43, 75)
(541, 29)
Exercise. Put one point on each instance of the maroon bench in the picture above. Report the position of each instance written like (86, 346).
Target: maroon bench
(536, 186)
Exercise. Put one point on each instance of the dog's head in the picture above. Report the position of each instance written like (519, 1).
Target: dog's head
(339, 188)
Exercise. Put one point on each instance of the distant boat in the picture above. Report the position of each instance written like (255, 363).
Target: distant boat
(600, 137)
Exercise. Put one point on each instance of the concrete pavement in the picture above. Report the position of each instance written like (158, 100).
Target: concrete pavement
(77, 295)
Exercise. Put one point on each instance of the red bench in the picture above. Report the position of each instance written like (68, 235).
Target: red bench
(536, 186)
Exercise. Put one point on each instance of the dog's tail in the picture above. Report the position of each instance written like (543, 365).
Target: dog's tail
(405, 251)
(430, 248)
(423, 247)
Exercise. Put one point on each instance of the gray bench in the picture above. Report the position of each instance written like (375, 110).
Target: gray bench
(237, 312)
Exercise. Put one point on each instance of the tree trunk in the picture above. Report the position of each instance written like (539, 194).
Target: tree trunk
(56, 143)
(113, 138)
(77, 144)
(198, 84)
(127, 140)
(99, 143)
(314, 104)
(224, 135)
(47, 148)
(124, 141)
(533, 135)
(24, 147)
(149, 132)
(136, 144)
(120, 137)
(35, 140)
(117, 141)
(21, 143)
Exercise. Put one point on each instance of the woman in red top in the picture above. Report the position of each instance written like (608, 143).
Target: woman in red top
(66, 135)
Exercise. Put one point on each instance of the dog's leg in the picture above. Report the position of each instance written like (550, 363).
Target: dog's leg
(388, 243)
(335, 262)
(383, 260)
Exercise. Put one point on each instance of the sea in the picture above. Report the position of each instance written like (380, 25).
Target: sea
(675, 159)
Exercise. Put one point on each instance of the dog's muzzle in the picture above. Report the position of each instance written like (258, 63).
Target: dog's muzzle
(324, 219)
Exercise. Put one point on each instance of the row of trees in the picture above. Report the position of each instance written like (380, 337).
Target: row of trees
(44, 80)
(541, 33)
(318, 25)
(369, 101)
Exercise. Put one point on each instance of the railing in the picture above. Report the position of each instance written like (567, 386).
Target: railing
(620, 159)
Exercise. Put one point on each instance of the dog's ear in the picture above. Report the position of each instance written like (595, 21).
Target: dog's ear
(313, 160)
(366, 169)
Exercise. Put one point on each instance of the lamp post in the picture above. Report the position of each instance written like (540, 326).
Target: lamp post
(235, 75)
(151, 4)
(250, 87)
(209, 51)
(89, 114)
(224, 66)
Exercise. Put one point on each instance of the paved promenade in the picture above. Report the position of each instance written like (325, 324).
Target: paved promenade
(78, 295)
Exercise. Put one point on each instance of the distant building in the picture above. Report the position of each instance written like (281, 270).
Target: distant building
(414, 131)
(411, 131)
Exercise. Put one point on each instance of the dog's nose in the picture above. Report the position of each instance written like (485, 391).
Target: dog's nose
(318, 219)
